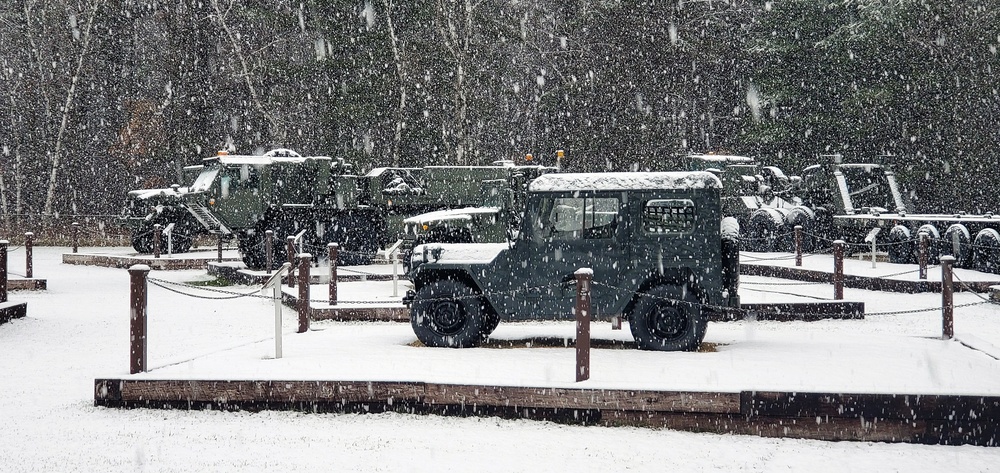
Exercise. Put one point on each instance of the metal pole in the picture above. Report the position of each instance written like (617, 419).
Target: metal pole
(138, 326)
(922, 255)
(395, 272)
(29, 246)
(873, 252)
(332, 250)
(303, 306)
(838, 270)
(277, 319)
(76, 237)
(947, 298)
(269, 249)
(290, 253)
(583, 278)
(798, 245)
(3, 270)
(156, 240)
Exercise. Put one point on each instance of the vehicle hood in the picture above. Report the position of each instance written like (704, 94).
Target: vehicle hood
(458, 253)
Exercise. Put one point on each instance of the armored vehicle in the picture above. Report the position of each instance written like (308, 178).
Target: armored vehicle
(145, 208)
(653, 241)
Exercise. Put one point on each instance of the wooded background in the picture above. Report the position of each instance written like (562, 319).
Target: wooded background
(104, 96)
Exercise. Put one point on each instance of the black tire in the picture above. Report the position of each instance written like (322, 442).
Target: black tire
(986, 253)
(901, 247)
(253, 251)
(448, 313)
(804, 216)
(957, 242)
(763, 230)
(668, 318)
(143, 241)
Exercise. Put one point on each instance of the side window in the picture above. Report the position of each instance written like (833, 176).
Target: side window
(573, 218)
(666, 216)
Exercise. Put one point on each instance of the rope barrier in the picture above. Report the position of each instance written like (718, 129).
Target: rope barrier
(230, 294)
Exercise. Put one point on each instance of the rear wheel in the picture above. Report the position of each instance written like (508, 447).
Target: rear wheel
(142, 242)
(668, 318)
(901, 246)
(763, 229)
(957, 242)
(987, 251)
(448, 313)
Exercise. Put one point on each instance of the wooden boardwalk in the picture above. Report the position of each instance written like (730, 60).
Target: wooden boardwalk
(911, 418)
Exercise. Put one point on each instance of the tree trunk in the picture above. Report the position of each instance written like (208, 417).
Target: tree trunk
(70, 96)
(401, 76)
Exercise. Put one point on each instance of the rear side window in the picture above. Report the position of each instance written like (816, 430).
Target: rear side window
(666, 216)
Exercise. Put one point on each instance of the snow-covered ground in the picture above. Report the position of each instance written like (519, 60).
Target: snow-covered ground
(78, 331)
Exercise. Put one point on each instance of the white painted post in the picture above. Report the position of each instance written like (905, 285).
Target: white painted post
(274, 282)
(169, 232)
(871, 239)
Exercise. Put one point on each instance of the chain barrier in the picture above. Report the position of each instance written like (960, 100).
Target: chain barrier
(970, 290)
(230, 294)
(11, 250)
(790, 293)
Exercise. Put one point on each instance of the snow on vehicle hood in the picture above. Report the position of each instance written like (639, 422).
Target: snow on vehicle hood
(450, 214)
(459, 253)
(149, 193)
(625, 181)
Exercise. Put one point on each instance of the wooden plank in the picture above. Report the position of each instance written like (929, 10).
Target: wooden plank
(369, 313)
(857, 282)
(12, 310)
(793, 311)
(27, 284)
(583, 398)
(882, 406)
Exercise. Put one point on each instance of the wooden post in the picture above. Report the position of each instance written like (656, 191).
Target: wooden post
(798, 245)
(218, 247)
(269, 249)
(156, 240)
(583, 279)
(332, 249)
(29, 246)
(290, 253)
(922, 255)
(303, 305)
(137, 327)
(76, 237)
(947, 298)
(3, 270)
(838, 270)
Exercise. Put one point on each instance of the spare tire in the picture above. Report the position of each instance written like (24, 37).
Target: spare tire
(766, 225)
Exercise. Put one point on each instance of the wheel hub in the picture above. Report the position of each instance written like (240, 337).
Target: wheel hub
(448, 317)
(668, 322)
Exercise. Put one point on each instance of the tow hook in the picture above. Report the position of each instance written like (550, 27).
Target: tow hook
(408, 298)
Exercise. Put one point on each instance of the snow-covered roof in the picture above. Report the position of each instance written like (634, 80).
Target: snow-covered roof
(149, 193)
(625, 181)
(451, 214)
(723, 158)
(266, 160)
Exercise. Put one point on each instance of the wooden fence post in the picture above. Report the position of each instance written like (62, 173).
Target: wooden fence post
(922, 255)
(947, 298)
(798, 245)
(583, 279)
(76, 237)
(838, 270)
(269, 249)
(156, 240)
(290, 253)
(303, 305)
(332, 249)
(137, 327)
(3, 270)
(29, 245)
(219, 248)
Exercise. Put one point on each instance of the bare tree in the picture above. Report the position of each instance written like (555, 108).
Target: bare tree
(455, 25)
(68, 107)
(397, 56)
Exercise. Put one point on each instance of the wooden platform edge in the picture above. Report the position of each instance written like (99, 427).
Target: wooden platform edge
(176, 262)
(12, 310)
(910, 418)
(857, 282)
(27, 284)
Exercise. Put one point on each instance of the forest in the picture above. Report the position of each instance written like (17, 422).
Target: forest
(104, 96)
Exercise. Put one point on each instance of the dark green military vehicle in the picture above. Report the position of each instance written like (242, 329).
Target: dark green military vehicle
(146, 208)
(652, 240)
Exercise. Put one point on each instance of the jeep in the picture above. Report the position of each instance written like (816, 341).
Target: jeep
(652, 240)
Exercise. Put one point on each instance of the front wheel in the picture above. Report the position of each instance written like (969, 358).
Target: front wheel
(668, 318)
(448, 313)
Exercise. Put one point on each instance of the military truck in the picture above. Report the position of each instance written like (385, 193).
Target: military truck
(492, 218)
(146, 208)
(321, 200)
(653, 241)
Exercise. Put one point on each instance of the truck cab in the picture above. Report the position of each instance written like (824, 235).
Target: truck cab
(652, 241)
